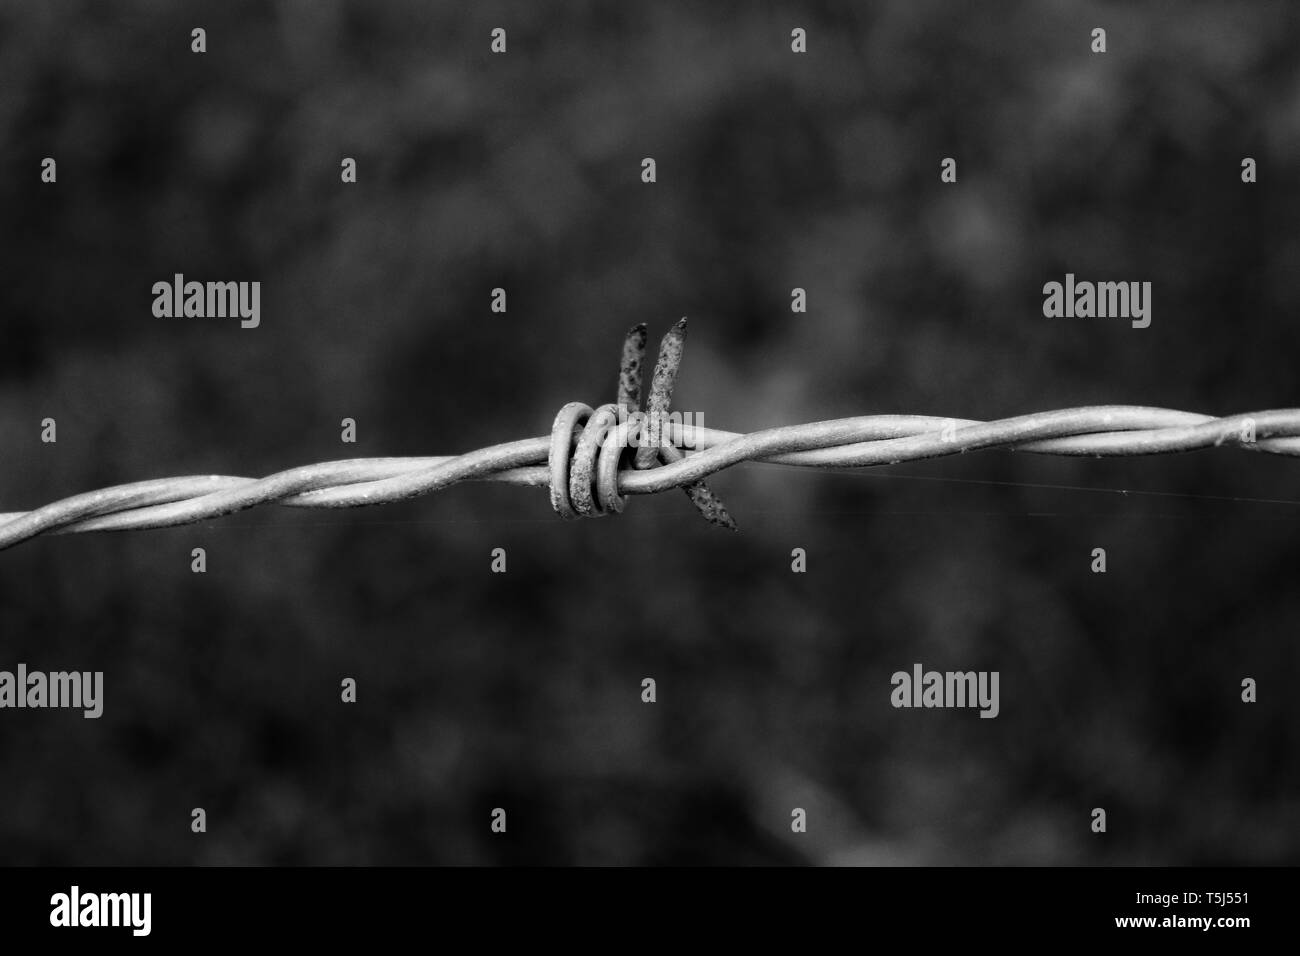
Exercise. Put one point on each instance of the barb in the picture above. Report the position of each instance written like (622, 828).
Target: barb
(588, 460)
(652, 448)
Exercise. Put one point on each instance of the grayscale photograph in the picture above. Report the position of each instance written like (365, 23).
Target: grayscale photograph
(654, 434)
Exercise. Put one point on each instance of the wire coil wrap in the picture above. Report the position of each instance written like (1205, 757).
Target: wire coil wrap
(587, 483)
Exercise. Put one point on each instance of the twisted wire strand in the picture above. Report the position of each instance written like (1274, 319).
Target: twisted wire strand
(867, 441)
(594, 458)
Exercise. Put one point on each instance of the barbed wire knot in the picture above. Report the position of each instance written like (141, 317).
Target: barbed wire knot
(589, 447)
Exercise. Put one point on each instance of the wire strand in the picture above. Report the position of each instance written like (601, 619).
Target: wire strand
(862, 442)
(593, 459)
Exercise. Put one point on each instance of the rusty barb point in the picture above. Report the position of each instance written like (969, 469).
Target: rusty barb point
(584, 477)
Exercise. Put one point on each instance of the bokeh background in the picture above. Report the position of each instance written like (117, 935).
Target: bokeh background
(775, 170)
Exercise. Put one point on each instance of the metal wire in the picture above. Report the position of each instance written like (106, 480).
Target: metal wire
(590, 460)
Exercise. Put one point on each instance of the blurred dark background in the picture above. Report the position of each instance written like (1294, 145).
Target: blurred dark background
(775, 170)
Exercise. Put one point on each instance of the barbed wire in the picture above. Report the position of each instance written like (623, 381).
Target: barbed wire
(589, 466)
